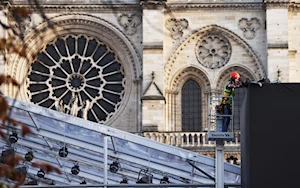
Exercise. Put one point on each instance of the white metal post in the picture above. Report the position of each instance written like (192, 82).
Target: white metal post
(219, 163)
(105, 146)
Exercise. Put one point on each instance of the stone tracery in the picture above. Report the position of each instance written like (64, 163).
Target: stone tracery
(213, 51)
(78, 68)
(259, 70)
(91, 27)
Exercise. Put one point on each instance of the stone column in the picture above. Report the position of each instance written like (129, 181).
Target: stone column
(171, 107)
(294, 39)
(205, 110)
(277, 39)
(211, 106)
(137, 84)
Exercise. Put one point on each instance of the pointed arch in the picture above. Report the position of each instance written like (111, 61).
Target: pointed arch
(190, 72)
(174, 97)
(258, 69)
(223, 76)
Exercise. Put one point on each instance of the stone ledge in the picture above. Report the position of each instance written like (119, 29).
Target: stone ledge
(111, 8)
(153, 98)
(150, 128)
(278, 45)
(214, 6)
(153, 45)
(86, 2)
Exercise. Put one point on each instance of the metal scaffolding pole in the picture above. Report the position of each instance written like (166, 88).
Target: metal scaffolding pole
(219, 163)
(105, 146)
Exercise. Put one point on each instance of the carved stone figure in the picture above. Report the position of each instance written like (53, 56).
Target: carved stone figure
(86, 106)
(20, 24)
(130, 23)
(176, 27)
(249, 27)
(74, 106)
(59, 106)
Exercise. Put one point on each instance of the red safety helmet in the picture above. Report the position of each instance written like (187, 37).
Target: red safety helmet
(235, 75)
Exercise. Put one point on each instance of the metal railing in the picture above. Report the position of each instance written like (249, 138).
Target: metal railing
(189, 139)
(214, 116)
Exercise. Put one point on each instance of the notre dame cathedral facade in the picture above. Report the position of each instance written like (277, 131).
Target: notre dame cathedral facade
(150, 66)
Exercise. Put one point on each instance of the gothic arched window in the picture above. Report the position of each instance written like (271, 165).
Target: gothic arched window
(191, 106)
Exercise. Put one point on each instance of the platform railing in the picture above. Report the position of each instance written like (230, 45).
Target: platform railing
(188, 139)
(216, 118)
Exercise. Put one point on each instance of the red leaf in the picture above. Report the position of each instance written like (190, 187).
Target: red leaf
(3, 108)
(25, 130)
(47, 167)
(3, 135)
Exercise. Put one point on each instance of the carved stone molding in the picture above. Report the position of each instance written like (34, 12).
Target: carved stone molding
(277, 1)
(176, 27)
(278, 45)
(75, 2)
(249, 27)
(277, 4)
(294, 6)
(130, 22)
(217, 91)
(213, 50)
(153, 4)
(153, 45)
(190, 72)
(91, 22)
(208, 91)
(213, 6)
(169, 91)
(83, 8)
(20, 24)
(292, 53)
(137, 81)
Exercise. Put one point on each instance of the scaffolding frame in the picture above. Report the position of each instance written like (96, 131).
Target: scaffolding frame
(95, 146)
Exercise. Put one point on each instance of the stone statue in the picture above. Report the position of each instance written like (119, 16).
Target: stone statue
(59, 106)
(74, 106)
(86, 106)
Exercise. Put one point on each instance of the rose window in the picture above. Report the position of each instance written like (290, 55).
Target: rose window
(213, 51)
(78, 75)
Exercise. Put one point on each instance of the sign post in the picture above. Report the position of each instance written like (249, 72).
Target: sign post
(215, 123)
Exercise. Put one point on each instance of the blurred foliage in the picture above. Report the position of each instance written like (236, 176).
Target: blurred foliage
(12, 168)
